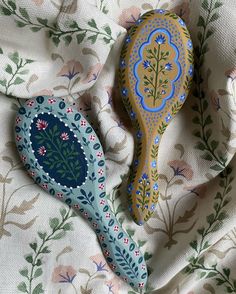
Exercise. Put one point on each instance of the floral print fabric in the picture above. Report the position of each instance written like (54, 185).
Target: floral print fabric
(68, 50)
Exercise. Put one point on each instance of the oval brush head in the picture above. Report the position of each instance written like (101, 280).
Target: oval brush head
(156, 69)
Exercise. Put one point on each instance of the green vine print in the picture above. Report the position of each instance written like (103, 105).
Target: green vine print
(215, 222)
(204, 120)
(6, 198)
(103, 7)
(33, 270)
(16, 71)
(155, 63)
(54, 32)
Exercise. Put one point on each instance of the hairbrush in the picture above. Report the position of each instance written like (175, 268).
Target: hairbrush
(155, 73)
(63, 154)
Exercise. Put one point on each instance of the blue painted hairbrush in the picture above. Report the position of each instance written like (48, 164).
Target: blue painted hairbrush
(62, 153)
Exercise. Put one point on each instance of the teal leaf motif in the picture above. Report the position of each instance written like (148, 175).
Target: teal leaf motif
(87, 198)
(126, 262)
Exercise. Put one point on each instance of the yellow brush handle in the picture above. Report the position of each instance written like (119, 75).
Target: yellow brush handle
(155, 74)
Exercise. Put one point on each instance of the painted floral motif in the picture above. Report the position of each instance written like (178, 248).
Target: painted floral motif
(156, 64)
(58, 152)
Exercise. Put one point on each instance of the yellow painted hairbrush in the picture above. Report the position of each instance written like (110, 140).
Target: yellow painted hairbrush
(155, 74)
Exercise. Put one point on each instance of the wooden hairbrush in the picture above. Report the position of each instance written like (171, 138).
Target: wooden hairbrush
(63, 155)
(156, 69)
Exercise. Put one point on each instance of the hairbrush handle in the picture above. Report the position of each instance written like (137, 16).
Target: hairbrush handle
(63, 154)
(156, 69)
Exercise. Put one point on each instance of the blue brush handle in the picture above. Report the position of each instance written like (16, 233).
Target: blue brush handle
(64, 156)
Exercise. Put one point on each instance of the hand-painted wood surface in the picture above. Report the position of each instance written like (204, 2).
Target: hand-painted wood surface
(62, 153)
(156, 69)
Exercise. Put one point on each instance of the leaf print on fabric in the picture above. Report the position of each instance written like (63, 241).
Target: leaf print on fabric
(7, 209)
(70, 8)
(166, 212)
(103, 6)
(16, 70)
(40, 247)
(214, 223)
(92, 33)
(203, 120)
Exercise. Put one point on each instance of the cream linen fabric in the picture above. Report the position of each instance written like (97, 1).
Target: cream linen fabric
(69, 49)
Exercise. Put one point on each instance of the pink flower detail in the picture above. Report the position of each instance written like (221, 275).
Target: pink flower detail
(107, 253)
(143, 267)
(59, 195)
(42, 151)
(38, 2)
(18, 138)
(114, 285)
(199, 191)
(41, 124)
(70, 69)
(113, 266)
(141, 285)
(51, 100)
(18, 119)
(101, 237)
(126, 240)
(137, 252)
(32, 173)
(85, 214)
(100, 262)
(83, 123)
(30, 103)
(101, 186)
(93, 73)
(108, 215)
(64, 136)
(129, 16)
(116, 229)
(23, 158)
(99, 154)
(181, 168)
(92, 138)
(45, 186)
(63, 274)
(69, 110)
(102, 202)
(95, 225)
(77, 206)
(100, 171)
